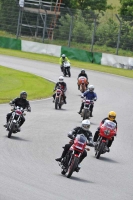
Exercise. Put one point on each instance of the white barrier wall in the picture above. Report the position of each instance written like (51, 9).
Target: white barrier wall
(117, 61)
(36, 47)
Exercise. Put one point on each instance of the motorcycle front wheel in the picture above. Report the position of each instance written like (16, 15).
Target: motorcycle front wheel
(56, 103)
(11, 130)
(72, 167)
(99, 150)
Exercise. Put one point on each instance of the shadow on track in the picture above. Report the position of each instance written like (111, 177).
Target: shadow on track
(105, 159)
(17, 138)
(76, 179)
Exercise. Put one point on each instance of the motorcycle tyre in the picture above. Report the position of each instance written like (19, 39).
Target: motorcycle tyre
(73, 165)
(85, 115)
(11, 130)
(56, 103)
(98, 153)
(69, 73)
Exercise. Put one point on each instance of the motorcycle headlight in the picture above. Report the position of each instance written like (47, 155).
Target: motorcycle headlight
(107, 132)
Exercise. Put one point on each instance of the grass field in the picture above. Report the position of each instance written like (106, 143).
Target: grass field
(12, 82)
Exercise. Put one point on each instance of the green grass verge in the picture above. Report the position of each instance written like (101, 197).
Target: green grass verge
(12, 82)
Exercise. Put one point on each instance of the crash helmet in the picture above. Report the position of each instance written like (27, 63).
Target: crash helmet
(61, 79)
(85, 124)
(82, 71)
(91, 88)
(23, 95)
(112, 115)
(63, 56)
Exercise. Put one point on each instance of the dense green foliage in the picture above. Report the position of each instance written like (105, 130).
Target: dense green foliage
(126, 8)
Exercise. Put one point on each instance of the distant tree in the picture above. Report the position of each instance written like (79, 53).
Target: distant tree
(100, 5)
(126, 8)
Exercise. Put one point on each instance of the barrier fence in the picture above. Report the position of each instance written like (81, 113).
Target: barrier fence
(54, 24)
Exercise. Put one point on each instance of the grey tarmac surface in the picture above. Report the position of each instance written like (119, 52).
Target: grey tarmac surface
(28, 170)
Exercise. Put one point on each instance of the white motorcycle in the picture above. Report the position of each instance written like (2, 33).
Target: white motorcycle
(66, 69)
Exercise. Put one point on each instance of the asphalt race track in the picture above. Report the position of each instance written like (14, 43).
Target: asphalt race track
(28, 170)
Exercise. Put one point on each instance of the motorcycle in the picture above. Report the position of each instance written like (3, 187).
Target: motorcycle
(14, 121)
(86, 110)
(59, 101)
(82, 82)
(107, 131)
(70, 162)
(66, 68)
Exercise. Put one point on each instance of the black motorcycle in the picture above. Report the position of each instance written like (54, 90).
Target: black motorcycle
(14, 121)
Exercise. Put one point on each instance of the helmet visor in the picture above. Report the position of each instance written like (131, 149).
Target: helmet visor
(111, 117)
(86, 126)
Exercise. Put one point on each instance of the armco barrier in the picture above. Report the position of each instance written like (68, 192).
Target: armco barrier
(41, 48)
(97, 57)
(77, 54)
(10, 43)
(72, 53)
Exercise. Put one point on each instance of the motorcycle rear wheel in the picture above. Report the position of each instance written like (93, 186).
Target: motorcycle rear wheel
(72, 167)
(85, 115)
(11, 130)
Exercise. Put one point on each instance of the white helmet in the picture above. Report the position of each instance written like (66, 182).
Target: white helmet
(91, 88)
(85, 124)
(63, 55)
(61, 79)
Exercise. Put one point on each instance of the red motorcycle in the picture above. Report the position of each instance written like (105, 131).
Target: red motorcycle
(59, 98)
(82, 82)
(107, 131)
(70, 162)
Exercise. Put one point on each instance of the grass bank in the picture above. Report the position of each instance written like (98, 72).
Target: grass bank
(12, 82)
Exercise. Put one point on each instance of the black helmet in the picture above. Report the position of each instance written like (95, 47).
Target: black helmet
(23, 95)
(83, 71)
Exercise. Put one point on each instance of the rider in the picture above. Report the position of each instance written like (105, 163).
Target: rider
(84, 129)
(21, 102)
(62, 59)
(63, 86)
(83, 73)
(90, 95)
(111, 117)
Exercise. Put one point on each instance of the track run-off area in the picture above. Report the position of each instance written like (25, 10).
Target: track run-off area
(28, 170)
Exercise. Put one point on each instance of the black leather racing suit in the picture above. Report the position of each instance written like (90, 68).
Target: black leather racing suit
(21, 103)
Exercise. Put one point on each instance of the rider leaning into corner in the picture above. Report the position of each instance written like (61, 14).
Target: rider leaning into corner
(21, 102)
(111, 117)
(82, 73)
(84, 129)
(62, 85)
(90, 95)
(62, 59)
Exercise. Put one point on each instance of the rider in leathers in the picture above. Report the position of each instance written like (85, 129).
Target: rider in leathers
(21, 102)
(62, 85)
(90, 95)
(84, 129)
(111, 117)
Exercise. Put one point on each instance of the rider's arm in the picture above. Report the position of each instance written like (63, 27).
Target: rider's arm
(90, 137)
(95, 97)
(60, 61)
(73, 133)
(13, 101)
(28, 106)
(67, 59)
